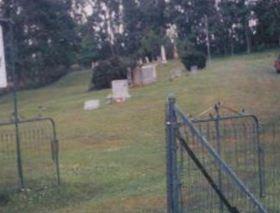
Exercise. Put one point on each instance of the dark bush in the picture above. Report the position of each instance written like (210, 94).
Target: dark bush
(193, 58)
(108, 70)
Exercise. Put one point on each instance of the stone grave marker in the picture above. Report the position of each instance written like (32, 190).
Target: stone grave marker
(163, 55)
(91, 105)
(147, 60)
(120, 90)
(149, 74)
(175, 73)
(194, 69)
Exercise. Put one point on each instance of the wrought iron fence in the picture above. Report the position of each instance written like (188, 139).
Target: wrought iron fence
(221, 163)
(29, 159)
(270, 140)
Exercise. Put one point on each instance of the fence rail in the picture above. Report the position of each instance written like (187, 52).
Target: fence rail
(221, 163)
(38, 150)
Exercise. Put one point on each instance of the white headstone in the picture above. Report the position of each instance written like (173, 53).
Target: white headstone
(3, 73)
(140, 61)
(147, 60)
(120, 90)
(92, 104)
(194, 69)
(163, 55)
(149, 74)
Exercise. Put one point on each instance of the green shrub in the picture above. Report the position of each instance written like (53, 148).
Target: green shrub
(108, 70)
(193, 58)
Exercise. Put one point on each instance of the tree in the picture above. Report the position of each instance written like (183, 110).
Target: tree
(268, 27)
(45, 38)
(144, 26)
(193, 19)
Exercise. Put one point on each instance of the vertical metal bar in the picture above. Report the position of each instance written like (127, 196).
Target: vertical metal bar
(218, 141)
(261, 158)
(180, 175)
(172, 179)
(56, 150)
(15, 100)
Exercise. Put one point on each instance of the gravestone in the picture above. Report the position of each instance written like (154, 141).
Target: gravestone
(149, 74)
(91, 105)
(158, 60)
(147, 60)
(175, 73)
(140, 61)
(130, 76)
(3, 73)
(163, 55)
(120, 90)
(194, 69)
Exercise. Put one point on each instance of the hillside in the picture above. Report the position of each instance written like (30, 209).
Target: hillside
(114, 157)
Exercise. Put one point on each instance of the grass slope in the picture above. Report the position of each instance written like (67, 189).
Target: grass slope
(113, 159)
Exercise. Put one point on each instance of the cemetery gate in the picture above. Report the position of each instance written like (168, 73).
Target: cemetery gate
(221, 163)
(30, 158)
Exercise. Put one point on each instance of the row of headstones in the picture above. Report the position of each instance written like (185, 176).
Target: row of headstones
(160, 59)
(120, 88)
(138, 77)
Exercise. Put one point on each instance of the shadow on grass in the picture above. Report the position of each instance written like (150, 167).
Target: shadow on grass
(47, 198)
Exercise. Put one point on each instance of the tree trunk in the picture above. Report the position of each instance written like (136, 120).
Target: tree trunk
(248, 39)
(207, 39)
(231, 45)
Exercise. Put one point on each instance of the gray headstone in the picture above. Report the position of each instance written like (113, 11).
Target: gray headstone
(149, 74)
(194, 68)
(175, 73)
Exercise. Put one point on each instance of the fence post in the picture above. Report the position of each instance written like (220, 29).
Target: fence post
(261, 158)
(55, 151)
(171, 164)
(218, 140)
(15, 100)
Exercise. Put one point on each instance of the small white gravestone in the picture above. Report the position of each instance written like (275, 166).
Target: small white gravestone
(163, 55)
(120, 90)
(92, 104)
(140, 61)
(3, 74)
(147, 60)
(149, 74)
(194, 69)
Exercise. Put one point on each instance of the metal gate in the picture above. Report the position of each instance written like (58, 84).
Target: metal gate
(214, 164)
(30, 157)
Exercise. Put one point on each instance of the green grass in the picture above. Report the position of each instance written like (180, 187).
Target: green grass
(113, 159)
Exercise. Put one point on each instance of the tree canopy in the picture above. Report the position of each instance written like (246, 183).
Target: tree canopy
(51, 35)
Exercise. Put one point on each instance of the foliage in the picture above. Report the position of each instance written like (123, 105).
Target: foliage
(268, 28)
(108, 70)
(194, 59)
(190, 56)
(144, 27)
(45, 39)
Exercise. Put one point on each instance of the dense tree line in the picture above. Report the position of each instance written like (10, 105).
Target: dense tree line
(51, 35)
(45, 40)
(212, 27)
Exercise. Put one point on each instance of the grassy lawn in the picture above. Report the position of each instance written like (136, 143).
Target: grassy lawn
(113, 159)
